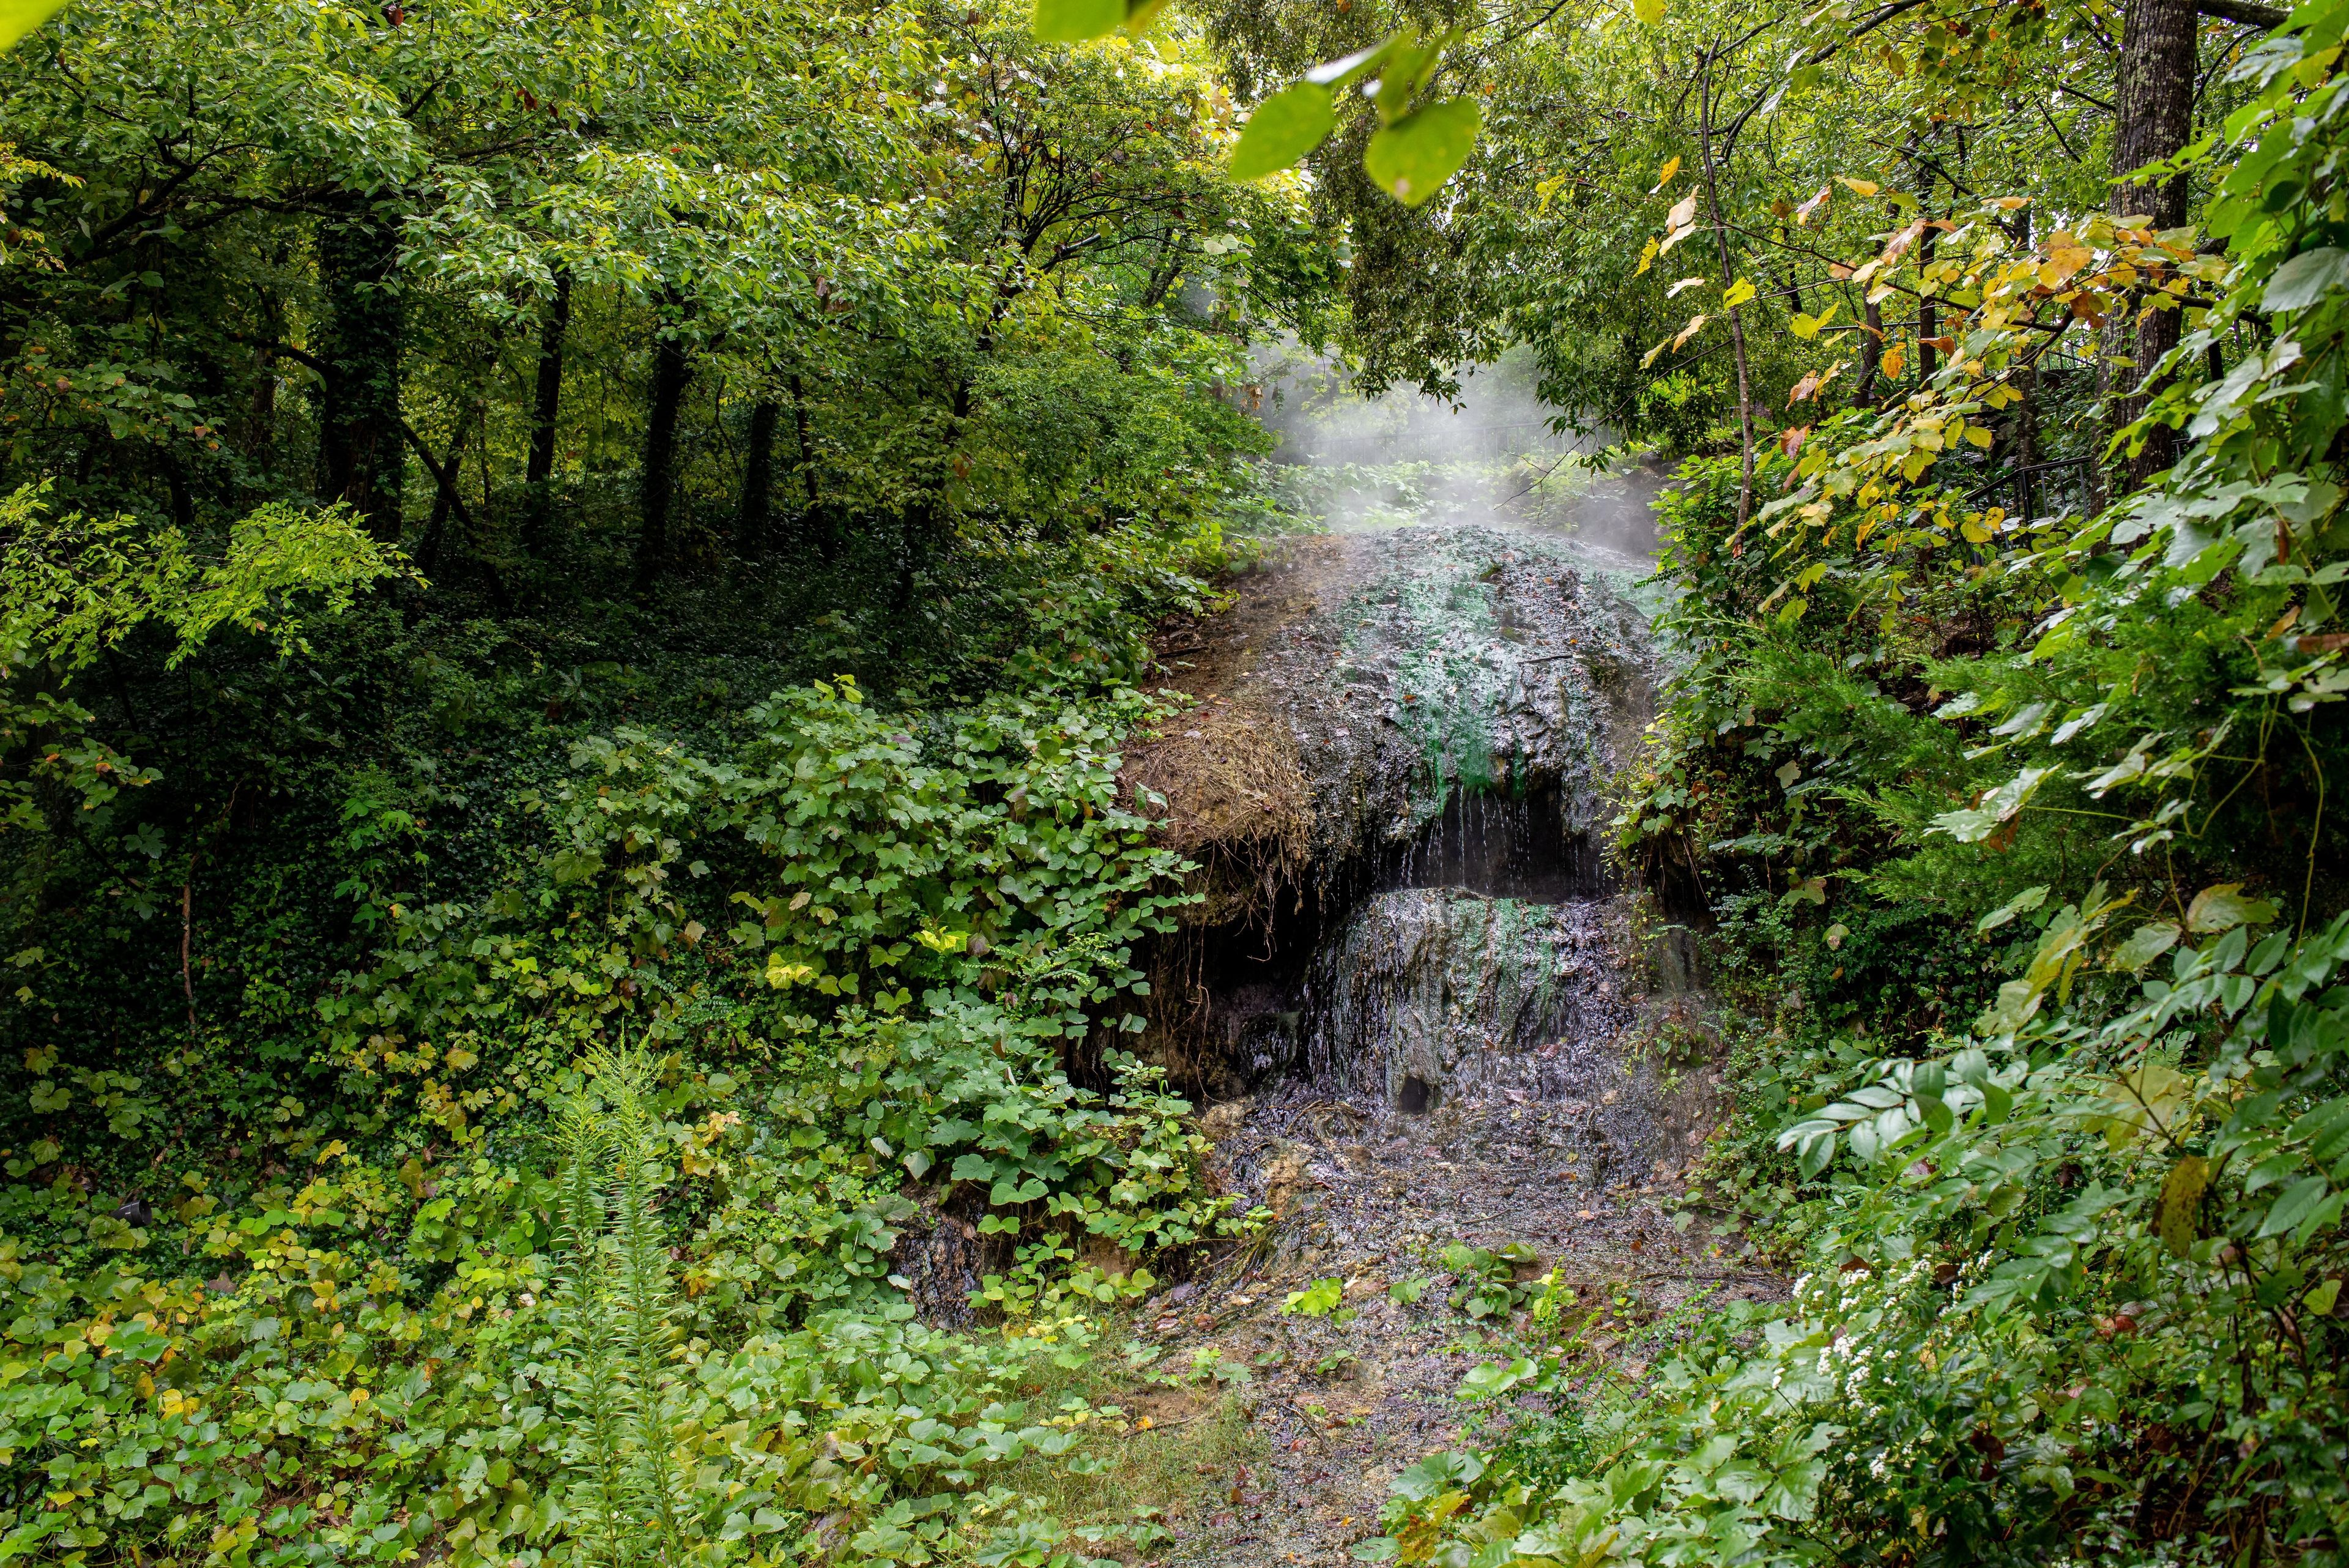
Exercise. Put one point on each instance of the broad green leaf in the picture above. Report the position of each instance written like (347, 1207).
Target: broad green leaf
(2306, 278)
(1816, 1152)
(2022, 903)
(2299, 1200)
(1073, 21)
(2148, 943)
(18, 17)
(1285, 127)
(1413, 158)
(2223, 908)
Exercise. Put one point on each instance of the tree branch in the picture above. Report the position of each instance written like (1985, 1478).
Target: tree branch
(2244, 13)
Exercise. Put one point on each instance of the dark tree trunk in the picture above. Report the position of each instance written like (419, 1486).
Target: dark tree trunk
(359, 345)
(752, 528)
(444, 497)
(2155, 120)
(547, 407)
(1871, 352)
(827, 537)
(670, 373)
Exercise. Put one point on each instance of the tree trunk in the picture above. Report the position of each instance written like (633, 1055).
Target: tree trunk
(359, 345)
(1928, 316)
(751, 527)
(444, 497)
(547, 405)
(827, 537)
(2155, 120)
(1737, 318)
(1871, 352)
(670, 372)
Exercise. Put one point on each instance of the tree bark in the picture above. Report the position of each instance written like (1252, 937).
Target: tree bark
(827, 537)
(671, 370)
(1736, 319)
(359, 346)
(751, 527)
(546, 406)
(1871, 352)
(2154, 120)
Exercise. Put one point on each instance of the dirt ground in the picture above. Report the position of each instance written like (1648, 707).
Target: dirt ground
(1342, 1407)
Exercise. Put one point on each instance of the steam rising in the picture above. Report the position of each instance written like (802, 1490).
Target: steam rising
(1495, 458)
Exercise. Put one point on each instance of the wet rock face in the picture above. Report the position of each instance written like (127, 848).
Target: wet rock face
(1412, 909)
(1434, 997)
(1463, 662)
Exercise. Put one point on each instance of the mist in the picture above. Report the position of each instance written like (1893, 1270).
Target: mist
(1494, 457)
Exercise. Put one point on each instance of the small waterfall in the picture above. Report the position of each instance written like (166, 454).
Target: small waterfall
(1464, 995)
(1452, 946)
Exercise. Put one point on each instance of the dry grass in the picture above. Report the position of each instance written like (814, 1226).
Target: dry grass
(1234, 798)
(1182, 1464)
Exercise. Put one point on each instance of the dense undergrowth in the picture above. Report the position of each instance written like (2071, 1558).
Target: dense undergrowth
(574, 585)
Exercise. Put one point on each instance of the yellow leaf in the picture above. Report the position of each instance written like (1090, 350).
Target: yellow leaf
(1859, 187)
(1895, 359)
(1690, 330)
(1974, 532)
(1648, 11)
(2178, 1217)
(1679, 289)
(1664, 176)
(18, 17)
(1979, 436)
(1683, 212)
(1647, 257)
(1739, 293)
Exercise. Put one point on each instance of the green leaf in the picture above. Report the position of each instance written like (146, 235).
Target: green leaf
(1285, 127)
(1073, 21)
(2223, 908)
(2148, 943)
(1413, 158)
(2022, 903)
(18, 17)
(2306, 278)
(2299, 1200)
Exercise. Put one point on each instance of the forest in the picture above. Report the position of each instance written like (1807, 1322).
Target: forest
(581, 578)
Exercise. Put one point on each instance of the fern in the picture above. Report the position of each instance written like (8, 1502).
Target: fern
(614, 1301)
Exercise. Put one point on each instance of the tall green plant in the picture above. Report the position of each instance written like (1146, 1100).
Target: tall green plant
(613, 1302)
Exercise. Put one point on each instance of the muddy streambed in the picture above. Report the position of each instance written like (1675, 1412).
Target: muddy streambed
(1419, 1008)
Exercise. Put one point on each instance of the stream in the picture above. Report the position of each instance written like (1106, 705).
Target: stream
(1418, 1007)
